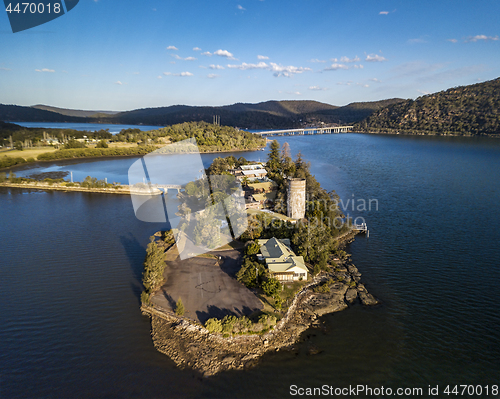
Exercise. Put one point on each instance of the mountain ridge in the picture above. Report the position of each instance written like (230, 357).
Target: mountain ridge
(264, 115)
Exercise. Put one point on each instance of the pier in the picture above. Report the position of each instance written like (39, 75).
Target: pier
(306, 131)
(362, 228)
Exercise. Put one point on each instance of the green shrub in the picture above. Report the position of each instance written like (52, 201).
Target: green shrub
(145, 299)
(271, 286)
(213, 325)
(179, 308)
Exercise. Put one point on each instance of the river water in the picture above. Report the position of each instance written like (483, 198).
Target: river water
(71, 266)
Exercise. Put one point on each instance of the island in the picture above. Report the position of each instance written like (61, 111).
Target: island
(224, 308)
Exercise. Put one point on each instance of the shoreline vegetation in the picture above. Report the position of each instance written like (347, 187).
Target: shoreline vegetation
(74, 144)
(234, 339)
(199, 347)
(89, 184)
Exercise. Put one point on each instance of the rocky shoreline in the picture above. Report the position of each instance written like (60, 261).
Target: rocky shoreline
(191, 346)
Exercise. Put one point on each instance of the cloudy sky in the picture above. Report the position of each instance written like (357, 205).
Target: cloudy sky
(122, 54)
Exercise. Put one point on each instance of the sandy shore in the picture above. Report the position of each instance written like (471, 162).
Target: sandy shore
(124, 189)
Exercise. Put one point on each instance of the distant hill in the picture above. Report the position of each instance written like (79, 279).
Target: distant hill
(29, 114)
(73, 112)
(264, 115)
(465, 110)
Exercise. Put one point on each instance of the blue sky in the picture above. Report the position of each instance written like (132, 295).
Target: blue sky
(122, 55)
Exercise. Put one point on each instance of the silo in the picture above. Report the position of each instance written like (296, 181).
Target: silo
(296, 198)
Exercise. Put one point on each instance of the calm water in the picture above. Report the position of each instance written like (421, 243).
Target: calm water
(71, 264)
(91, 127)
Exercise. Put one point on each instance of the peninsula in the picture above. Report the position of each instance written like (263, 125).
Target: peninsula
(224, 309)
(28, 145)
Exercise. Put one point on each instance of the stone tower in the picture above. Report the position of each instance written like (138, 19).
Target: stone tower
(296, 198)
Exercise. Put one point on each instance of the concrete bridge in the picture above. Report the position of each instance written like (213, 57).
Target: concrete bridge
(167, 187)
(307, 131)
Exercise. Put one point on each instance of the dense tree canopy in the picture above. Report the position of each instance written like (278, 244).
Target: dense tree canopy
(466, 110)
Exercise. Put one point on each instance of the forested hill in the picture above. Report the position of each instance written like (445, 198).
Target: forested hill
(30, 114)
(465, 110)
(265, 115)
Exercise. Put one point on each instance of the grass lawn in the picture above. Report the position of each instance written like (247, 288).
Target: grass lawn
(28, 153)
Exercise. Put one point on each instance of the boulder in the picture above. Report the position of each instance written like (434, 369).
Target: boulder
(351, 295)
(367, 298)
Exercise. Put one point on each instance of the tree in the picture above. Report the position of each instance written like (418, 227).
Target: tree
(102, 144)
(18, 146)
(73, 144)
(179, 307)
(154, 266)
(271, 286)
(252, 249)
(273, 162)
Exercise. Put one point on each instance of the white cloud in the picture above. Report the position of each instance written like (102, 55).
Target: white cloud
(224, 53)
(118, 83)
(383, 13)
(347, 60)
(424, 92)
(177, 57)
(316, 60)
(336, 66)
(374, 58)
(362, 85)
(159, 77)
(212, 76)
(288, 71)
(262, 57)
(481, 37)
(317, 88)
(172, 48)
(244, 66)
(136, 73)
(216, 66)
(196, 49)
(178, 74)
(207, 53)
(5, 69)
(345, 83)
(375, 80)
(360, 66)
(279, 70)
(45, 70)
(452, 40)
(241, 8)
